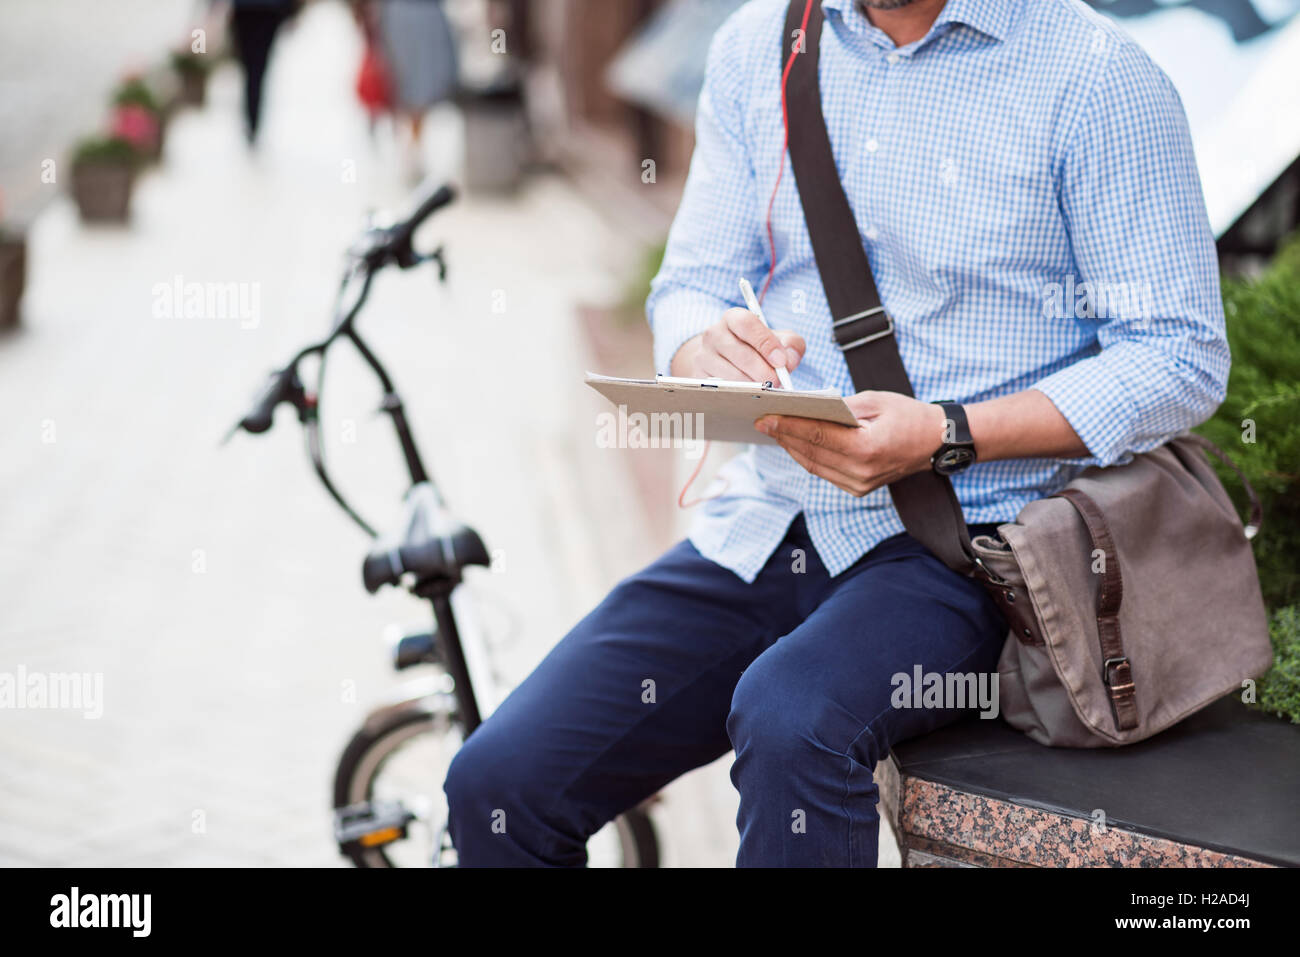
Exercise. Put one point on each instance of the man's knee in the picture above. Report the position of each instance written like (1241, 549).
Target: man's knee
(478, 780)
(770, 712)
(778, 710)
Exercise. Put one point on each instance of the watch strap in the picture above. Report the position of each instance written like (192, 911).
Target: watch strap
(955, 413)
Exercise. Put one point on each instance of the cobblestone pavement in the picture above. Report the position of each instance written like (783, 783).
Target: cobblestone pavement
(217, 589)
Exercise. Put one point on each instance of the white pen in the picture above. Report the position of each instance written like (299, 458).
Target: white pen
(751, 301)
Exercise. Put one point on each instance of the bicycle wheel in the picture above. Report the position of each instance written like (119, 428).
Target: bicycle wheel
(405, 757)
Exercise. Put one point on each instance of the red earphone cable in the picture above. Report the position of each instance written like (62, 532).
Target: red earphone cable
(795, 50)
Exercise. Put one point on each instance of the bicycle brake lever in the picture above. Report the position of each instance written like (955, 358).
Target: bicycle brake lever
(437, 257)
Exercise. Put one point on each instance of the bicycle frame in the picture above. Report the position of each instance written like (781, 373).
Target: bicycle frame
(377, 249)
(438, 592)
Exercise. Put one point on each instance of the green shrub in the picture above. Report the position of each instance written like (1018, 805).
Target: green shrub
(105, 149)
(1258, 424)
(183, 61)
(1279, 690)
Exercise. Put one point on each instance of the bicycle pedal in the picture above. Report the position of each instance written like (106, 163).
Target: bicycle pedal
(371, 824)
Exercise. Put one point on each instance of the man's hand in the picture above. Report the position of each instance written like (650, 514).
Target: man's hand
(738, 346)
(896, 436)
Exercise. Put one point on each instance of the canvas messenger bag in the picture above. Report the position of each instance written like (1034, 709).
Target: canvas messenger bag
(1131, 595)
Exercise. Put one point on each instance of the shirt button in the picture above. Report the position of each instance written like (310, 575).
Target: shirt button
(872, 233)
(893, 58)
(872, 145)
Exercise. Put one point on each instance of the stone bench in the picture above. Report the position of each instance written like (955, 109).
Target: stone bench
(1218, 790)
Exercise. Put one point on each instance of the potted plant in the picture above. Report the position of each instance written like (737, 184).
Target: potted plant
(192, 69)
(103, 174)
(138, 117)
(13, 272)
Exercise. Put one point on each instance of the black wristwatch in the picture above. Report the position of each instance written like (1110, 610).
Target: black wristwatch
(958, 449)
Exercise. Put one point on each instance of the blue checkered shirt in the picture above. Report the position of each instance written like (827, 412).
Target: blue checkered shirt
(1025, 188)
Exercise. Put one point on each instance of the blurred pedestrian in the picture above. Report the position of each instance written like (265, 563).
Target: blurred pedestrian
(420, 51)
(374, 82)
(254, 24)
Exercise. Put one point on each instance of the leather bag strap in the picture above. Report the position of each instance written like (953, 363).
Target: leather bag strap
(925, 501)
(1116, 671)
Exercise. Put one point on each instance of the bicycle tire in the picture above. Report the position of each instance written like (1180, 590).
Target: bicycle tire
(638, 842)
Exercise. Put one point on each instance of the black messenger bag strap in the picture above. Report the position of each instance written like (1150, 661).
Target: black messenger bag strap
(925, 501)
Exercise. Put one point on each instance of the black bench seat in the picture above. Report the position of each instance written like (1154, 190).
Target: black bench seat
(1221, 789)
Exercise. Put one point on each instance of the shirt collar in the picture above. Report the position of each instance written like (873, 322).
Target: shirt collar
(993, 18)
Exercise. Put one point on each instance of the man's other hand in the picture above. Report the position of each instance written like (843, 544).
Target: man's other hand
(896, 436)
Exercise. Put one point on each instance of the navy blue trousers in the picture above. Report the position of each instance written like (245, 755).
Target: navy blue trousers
(684, 662)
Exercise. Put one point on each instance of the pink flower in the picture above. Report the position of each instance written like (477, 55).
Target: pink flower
(136, 125)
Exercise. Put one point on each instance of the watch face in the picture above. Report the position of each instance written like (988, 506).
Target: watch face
(953, 459)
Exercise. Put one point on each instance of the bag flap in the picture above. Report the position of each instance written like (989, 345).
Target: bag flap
(1192, 619)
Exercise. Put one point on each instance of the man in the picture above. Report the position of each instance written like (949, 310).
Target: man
(1009, 163)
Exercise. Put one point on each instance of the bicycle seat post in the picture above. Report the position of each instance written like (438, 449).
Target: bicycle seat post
(438, 592)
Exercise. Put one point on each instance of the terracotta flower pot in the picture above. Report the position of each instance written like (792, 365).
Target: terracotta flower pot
(102, 190)
(13, 276)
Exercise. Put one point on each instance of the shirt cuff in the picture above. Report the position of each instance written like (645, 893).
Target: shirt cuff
(678, 316)
(1094, 399)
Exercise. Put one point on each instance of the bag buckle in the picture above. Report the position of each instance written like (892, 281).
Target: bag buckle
(1112, 663)
(870, 337)
(988, 573)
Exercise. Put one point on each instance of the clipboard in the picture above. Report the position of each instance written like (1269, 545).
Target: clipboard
(721, 410)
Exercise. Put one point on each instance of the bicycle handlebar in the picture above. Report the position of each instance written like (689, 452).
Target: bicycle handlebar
(381, 247)
(394, 243)
(441, 197)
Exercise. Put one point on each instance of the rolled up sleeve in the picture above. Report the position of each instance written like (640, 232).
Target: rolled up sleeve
(1132, 202)
(716, 236)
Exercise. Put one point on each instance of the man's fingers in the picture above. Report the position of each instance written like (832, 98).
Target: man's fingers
(721, 347)
(831, 435)
(716, 366)
(850, 484)
(751, 330)
(795, 347)
(827, 446)
(848, 463)
(742, 356)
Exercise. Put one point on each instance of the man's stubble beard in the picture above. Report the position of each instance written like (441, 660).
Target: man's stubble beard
(886, 4)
